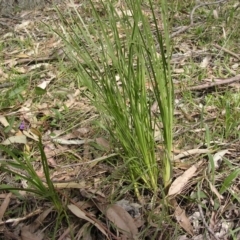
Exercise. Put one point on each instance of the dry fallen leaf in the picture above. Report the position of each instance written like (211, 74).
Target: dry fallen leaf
(82, 132)
(4, 205)
(72, 142)
(67, 233)
(32, 133)
(215, 14)
(98, 196)
(178, 70)
(121, 218)
(179, 183)
(50, 152)
(217, 158)
(85, 231)
(10, 236)
(4, 121)
(27, 235)
(205, 62)
(190, 152)
(214, 190)
(102, 142)
(21, 70)
(44, 84)
(39, 220)
(79, 213)
(15, 139)
(85, 204)
(70, 185)
(181, 217)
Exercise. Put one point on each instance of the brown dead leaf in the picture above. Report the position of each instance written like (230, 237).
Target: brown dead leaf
(39, 220)
(190, 152)
(179, 183)
(218, 157)
(22, 55)
(9, 235)
(3, 76)
(66, 234)
(44, 84)
(40, 173)
(69, 185)
(102, 142)
(30, 134)
(4, 205)
(79, 213)
(21, 70)
(214, 190)
(84, 232)
(92, 193)
(139, 221)
(205, 62)
(10, 62)
(50, 153)
(121, 218)
(52, 162)
(66, 136)
(4, 195)
(27, 235)
(213, 220)
(4, 121)
(23, 25)
(82, 132)
(85, 204)
(181, 217)
(71, 142)
(15, 139)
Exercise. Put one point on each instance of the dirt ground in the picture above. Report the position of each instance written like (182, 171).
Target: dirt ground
(40, 89)
(9, 7)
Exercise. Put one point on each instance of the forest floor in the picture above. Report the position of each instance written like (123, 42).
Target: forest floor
(41, 94)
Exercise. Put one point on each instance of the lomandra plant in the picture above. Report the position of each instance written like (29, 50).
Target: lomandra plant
(20, 166)
(123, 60)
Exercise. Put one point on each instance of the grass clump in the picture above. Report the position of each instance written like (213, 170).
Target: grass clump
(21, 167)
(124, 61)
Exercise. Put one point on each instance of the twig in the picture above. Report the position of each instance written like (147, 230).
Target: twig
(227, 51)
(201, 5)
(29, 61)
(218, 82)
(205, 223)
(17, 220)
(5, 85)
(185, 28)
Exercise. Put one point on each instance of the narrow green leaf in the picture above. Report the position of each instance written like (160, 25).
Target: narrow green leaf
(228, 181)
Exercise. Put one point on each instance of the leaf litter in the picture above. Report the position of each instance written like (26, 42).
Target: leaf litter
(44, 101)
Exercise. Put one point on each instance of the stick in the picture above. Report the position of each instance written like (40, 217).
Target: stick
(218, 82)
(205, 223)
(6, 85)
(227, 51)
(185, 28)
